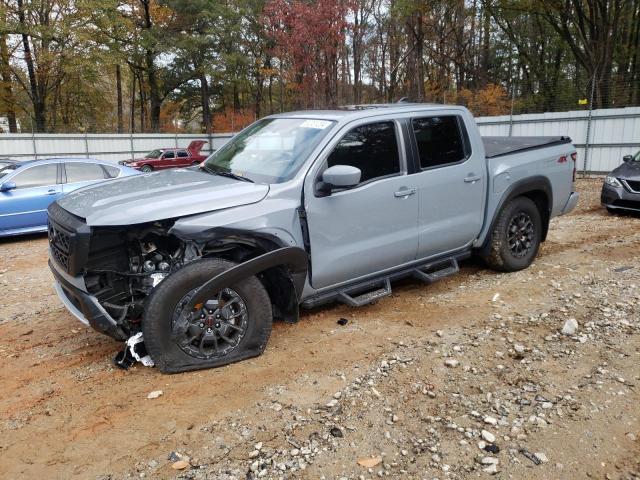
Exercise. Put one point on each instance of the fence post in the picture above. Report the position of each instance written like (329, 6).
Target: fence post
(86, 144)
(586, 142)
(33, 141)
(131, 145)
(511, 112)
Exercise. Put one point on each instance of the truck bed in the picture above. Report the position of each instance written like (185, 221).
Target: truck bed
(498, 146)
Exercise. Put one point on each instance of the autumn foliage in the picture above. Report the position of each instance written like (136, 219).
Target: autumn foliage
(307, 37)
(230, 120)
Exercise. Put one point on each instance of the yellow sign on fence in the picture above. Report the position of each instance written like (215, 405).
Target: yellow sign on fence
(583, 101)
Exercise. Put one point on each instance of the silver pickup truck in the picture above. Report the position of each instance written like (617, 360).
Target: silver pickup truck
(300, 209)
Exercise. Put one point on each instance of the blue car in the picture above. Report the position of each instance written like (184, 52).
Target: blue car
(28, 187)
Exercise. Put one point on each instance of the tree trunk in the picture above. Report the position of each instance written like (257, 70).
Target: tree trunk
(154, 89)
(119, 99)
(132, 108)
(204, 99)
(143, 104)
(485, 49)
(39, 108)
(7, 90)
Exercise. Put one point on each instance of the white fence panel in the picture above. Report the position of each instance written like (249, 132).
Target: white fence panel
(614, 132)
(111, 147)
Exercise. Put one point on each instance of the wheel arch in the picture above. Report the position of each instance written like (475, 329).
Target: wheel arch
(281, 267)
(539, 190)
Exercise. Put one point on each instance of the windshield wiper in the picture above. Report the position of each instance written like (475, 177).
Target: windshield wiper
(224, 173)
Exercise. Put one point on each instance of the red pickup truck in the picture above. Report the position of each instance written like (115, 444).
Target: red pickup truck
(164, 158)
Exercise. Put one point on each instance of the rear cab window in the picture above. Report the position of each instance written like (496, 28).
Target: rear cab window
(440, 140)
(373, 148)
(183, 154)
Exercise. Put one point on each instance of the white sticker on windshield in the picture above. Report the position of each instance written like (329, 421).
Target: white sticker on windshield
(318, 124)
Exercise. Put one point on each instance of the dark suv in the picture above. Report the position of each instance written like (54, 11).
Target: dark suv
(621, 188)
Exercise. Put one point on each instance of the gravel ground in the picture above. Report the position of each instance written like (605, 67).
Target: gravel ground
(526, 375)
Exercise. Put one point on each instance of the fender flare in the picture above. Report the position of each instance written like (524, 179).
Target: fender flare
(295, 259)
(517, 189)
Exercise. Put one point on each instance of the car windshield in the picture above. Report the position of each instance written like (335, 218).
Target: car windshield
(271, 150)
(7, 168)
(637, 157)
(154, 154)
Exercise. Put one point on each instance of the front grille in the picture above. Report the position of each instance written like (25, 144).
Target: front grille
(60, 244)
(634, 186)
(69, 238)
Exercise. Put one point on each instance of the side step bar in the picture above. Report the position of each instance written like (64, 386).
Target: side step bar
(367, 297)
(433, 272)
(363, 293)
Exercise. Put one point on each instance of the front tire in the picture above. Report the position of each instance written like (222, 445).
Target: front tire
(233, 326)
(516, 237)
(147, 169)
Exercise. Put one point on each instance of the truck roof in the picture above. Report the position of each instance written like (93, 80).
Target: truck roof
(352, 112)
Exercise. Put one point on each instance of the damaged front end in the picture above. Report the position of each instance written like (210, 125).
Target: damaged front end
(104, 275)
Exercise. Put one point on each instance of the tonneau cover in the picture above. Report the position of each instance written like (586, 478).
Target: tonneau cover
(498, 146)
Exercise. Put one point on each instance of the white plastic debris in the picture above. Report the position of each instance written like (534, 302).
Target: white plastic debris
(131, 343)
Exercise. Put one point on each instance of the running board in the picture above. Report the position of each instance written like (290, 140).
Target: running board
(367, 297)
(433, 272)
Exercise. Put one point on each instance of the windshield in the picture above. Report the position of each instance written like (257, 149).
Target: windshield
(637, 157)
(271, 150)
(154, 154)
(7, 168)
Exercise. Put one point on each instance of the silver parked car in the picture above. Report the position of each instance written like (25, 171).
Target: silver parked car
(300, 209)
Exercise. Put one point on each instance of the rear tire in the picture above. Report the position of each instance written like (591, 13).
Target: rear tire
(516, 237)
(249, 337)
(147, 169)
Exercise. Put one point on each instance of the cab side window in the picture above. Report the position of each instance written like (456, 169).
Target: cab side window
(372, 148)
(38, 176)
(182, 154)
(439, 140)
(168, 155)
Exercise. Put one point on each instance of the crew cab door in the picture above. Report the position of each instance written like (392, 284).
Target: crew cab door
(451, 182)
(372, 226)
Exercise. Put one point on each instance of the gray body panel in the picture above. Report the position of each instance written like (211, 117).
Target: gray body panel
(355, 234)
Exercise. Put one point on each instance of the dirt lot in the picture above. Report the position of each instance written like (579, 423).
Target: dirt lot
(409, 383)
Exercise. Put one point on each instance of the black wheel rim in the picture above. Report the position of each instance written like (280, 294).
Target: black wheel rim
(213, 328)
(521, 235)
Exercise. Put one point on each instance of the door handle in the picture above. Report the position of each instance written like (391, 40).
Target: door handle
(51, 192)
(471, 178)
(404, 192)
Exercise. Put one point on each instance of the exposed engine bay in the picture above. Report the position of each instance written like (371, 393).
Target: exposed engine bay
(125, 266)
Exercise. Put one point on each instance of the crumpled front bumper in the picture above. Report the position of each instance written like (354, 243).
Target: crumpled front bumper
(82, 305)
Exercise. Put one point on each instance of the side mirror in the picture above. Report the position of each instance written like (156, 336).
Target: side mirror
(338, 176)
(627, 158)
(6, 186)
(342, 176)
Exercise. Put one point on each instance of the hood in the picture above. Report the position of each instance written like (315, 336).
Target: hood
(156, 196)
(628, 171)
